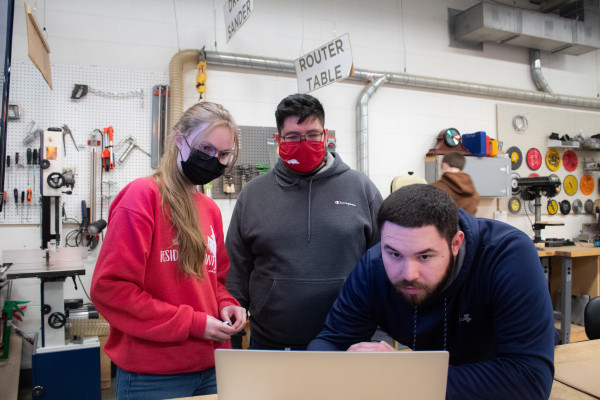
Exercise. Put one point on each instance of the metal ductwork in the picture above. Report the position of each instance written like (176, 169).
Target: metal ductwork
(278, 66)
(536, 72)
(362, 126)
(504, 24)
(375, 80)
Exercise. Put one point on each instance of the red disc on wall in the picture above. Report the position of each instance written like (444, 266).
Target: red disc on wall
(570, 160)
(534, 158)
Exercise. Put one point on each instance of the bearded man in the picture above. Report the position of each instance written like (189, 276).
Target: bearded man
(441, 279)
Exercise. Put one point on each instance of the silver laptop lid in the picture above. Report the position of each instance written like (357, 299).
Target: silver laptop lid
(311, 375)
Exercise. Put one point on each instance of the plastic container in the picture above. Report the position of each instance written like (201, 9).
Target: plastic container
(475, 143)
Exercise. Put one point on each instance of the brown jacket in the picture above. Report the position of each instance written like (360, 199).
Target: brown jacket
(460, 187)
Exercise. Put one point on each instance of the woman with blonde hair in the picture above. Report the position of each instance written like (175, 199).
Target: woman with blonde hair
(160, 275)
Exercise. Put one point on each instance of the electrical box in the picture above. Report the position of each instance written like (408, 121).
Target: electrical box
(490, 175)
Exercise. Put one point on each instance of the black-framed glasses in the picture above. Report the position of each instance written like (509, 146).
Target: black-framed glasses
(293, 139)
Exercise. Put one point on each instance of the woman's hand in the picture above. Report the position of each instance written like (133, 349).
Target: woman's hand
(235, 316)
(216, 330)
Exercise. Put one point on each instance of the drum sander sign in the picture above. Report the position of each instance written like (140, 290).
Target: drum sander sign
(236, 13)
(329, 63)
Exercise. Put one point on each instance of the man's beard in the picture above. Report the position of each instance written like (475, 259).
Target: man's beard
(427, 291)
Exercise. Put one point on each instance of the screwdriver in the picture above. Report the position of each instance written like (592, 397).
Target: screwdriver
(28, 202)
(4, 197)
(7, 173)
(16, 165)
(16, 192)
(28, 163)
(35, 162)
(22, 203)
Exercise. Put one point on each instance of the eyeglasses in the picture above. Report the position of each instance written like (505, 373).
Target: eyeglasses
(224, 157)
(293, 139)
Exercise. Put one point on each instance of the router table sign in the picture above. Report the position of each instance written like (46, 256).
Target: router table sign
(325, 65)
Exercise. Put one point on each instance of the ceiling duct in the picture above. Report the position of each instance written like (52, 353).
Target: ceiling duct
(499, 23)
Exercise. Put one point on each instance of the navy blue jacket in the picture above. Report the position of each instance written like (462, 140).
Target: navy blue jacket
(495, 319)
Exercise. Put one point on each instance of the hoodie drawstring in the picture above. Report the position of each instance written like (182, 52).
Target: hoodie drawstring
(309, 201)
(414, 346)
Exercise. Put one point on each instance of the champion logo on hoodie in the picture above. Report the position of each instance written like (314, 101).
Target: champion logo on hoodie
(344, 203)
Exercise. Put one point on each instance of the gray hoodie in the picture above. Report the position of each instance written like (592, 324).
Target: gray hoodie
(292, 242)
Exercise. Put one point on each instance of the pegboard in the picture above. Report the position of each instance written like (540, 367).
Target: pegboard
(118, 97)
(529, 127)
(257, 153)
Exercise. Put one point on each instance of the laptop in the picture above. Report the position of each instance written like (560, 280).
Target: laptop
(316, 375)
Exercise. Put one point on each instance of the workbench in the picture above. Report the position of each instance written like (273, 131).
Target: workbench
(579, 269)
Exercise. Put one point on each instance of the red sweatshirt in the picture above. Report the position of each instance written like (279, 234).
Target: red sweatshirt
(157, 315)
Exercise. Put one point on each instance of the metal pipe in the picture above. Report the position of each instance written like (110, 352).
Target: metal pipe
(535, 66)
(397, 79)
(362, 123)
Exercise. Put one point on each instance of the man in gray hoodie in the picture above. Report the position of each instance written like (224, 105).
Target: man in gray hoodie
(297, 232)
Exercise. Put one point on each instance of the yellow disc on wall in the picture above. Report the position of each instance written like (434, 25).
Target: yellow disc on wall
(570, 185)
(552, 207)
(553, 160)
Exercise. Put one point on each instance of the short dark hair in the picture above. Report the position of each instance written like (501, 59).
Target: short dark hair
(417, 205)
(299, 105)
(455, 160)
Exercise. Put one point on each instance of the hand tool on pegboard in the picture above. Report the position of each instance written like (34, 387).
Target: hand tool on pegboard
(67, 131)
(29, 156)
(108, 157)
(7, 172)
(35, 159)
(132, 145)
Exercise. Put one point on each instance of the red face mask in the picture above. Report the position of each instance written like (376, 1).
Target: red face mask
(302, 158)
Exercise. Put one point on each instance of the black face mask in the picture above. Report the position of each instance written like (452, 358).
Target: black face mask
(201, 168)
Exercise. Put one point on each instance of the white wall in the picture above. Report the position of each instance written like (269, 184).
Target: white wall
(399, 36)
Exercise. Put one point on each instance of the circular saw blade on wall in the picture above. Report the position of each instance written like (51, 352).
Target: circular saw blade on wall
(570, 160)
(553, 160)
(516, 157)
(534, 159)
(586, 185)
